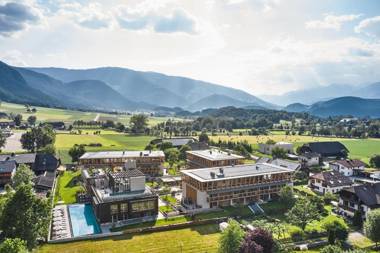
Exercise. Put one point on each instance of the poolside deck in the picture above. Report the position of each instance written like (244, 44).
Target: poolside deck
(60, 226)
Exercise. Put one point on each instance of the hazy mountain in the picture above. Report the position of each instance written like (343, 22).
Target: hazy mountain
(296, 107)
(313, 95)
(154, 88)
(14, 88)
(354, 106)
(216, 101)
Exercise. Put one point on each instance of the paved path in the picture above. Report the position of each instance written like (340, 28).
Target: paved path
(13, 143)
(97, 117)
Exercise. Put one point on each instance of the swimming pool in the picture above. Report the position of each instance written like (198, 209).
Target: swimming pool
(83, 221)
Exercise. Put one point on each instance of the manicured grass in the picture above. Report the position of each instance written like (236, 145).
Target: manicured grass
(166, 209)
(363, 149)
(110, 141)
(304, 190)
(170, 199)
(155, 223)
(67, 188)
(196, 239)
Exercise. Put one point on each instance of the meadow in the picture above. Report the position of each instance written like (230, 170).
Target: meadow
(362, 149)
(195, 239)
(109, 140)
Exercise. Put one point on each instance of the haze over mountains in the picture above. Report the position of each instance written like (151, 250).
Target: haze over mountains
(111, 88)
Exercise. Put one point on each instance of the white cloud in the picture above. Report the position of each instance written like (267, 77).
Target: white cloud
(369, 26)
(331, 22)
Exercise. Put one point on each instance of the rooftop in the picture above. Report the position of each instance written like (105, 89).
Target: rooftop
(215, 154)
(7, 166)
(238, 171)
(333, 178)
(19, 158)
(122, 154)
(348, 163)
(127, 173)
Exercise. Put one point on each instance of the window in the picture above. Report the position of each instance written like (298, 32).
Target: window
(114, 209)
(124, 207)
(143, 206)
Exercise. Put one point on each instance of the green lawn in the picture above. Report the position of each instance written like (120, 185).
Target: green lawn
(111, 140)
(67, 187)
(196, 239)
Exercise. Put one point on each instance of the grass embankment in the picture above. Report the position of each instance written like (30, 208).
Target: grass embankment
(68, 186)
(195, 239)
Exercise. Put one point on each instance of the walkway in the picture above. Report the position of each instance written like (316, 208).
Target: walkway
(13, 143)
(97, 117)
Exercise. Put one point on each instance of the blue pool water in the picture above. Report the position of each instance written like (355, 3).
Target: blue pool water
(83, 221)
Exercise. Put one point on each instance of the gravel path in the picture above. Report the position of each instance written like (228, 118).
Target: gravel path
(13, 143)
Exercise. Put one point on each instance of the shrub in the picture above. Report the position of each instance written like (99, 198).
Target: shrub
(331, 249)
(296, 234)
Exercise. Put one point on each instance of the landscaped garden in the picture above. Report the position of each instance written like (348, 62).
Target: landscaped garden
(67, 187)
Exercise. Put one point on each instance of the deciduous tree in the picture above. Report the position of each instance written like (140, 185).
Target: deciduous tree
(372, 226)
(15, 245)
(139, 123)
(231, 238)
(76, 152)
(32, 120)
(23, 175)
(303, 212)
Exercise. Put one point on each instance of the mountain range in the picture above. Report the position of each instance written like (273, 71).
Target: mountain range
(122, 89)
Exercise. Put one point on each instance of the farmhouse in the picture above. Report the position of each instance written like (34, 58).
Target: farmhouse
(348, 167)
(211, 158)
(231, 185)
(326, 149)
(120, 195)
(362, 198)
(39, 163)
(329, 181)
(7, 171)
(267, 148)
(149, 162)
(309, 159)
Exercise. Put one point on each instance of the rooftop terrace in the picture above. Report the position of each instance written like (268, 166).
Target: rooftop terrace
(215, 155)
(122, 154)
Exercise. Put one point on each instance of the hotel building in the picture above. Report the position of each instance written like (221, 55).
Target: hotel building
(148, 162)
(241, 184)
(211, 158)
(119, 195)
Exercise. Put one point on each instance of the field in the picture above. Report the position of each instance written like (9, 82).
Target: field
(68, 116)
(196, 239)
(110, 140)
(359, 148)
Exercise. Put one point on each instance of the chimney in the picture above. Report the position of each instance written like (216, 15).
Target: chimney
(141, 153)
(212, 174)
(221, 171)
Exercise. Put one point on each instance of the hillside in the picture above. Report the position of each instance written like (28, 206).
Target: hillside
(216, 101)
(296, 107)
(150, 87)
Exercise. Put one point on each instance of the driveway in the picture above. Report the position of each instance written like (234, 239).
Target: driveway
(13, 143)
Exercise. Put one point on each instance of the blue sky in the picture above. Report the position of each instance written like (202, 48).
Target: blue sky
(261, 46)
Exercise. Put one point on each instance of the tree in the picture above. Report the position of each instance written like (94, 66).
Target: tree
(270, 142)
(48, 149)
(328, 197)
(331, 249)
(303, 212)
(337, 229)
(32, 120)
(375, 161)
(287, 196)
(15, 245)
(166, 145)
(37, 138)
(25, 216)
(23, 175)
(17, 119)
(182, 151)
(76, 152)
(203, 137)
(3, 140)
(357, 219)
(278, 152)
(231, 238)
(139, 123)
(259, 240)
(172, 155)
(372, 225)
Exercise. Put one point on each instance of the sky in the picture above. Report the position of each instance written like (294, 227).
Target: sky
(265, 47)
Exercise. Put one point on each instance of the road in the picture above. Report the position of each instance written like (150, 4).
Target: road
(13, 143)
(97, 117)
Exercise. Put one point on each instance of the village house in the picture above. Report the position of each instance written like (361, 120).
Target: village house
(329, 181)
(7, 171)
(348, 167)
(309, 159)
(147, 161)
(119, 195)
(362, 198)
(232, 185)
(326, 149)
(211, 158)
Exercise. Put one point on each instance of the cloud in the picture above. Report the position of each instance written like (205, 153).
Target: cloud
(179, 21)
(369, 26)
(15, 17)
(174, 20)
(361, 52)
(331, 22)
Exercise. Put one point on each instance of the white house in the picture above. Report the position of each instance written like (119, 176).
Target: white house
(329, 181)
(348, 167)
(309, 159)
(267, 148)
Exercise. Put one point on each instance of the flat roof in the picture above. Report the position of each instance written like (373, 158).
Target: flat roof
(215, 154)
(238, 171)
(122, 154)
